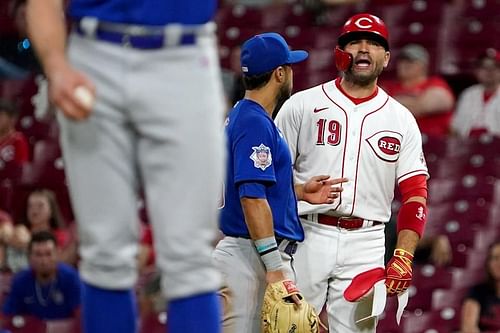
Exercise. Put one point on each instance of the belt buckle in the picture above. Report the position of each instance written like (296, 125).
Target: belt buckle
(126, 40)
(339, 221)
(347, 219)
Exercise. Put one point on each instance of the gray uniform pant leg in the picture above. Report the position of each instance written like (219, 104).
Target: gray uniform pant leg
(157, 119)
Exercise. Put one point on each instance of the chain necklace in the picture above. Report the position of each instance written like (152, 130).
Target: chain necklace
(39, 294)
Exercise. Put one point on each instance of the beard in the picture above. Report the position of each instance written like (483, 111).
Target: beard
(283, 94)
(363, 80)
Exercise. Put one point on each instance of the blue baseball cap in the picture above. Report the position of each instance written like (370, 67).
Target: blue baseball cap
(264, 52)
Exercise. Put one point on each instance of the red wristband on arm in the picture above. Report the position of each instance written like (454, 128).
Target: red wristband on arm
(412, 215)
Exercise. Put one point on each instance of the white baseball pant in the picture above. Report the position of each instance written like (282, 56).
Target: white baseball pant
(244, 274)
(325, 264)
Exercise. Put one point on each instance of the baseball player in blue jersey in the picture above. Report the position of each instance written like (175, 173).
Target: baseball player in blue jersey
(259, 219)
(141, 107)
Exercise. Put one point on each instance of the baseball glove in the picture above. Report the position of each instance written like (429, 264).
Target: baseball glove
(281, 315)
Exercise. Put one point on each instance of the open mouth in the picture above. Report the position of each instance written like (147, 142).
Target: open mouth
(362, 63)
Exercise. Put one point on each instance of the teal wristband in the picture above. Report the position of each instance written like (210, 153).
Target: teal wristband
(269, 253)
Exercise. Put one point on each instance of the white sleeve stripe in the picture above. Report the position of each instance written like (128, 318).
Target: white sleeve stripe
(413, 173)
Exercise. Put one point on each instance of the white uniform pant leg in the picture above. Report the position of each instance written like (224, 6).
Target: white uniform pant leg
(177, 105)
(358, 251)
(244, 273)
(313, 263)
(99, 156)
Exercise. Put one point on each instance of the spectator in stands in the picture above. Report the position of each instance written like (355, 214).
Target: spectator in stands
(14, 149)
(429, 98)
(47, 290)
(478, 108)
(43, 213)
(481, 308)
(434, 249)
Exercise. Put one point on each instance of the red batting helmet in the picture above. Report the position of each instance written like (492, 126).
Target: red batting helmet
(359, 26)
(364, 25)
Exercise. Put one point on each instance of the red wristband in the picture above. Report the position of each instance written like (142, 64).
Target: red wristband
(412, 215)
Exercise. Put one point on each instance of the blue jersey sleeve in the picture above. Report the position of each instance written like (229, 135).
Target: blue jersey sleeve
(253, 150)
(252, 190)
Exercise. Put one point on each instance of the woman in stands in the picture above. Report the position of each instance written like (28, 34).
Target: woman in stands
(43, 214)
(481, 308)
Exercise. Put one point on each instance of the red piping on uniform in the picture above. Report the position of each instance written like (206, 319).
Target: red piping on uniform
(345, 144)
(359, 150)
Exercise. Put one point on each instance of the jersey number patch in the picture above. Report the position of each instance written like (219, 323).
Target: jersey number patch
(328, 131)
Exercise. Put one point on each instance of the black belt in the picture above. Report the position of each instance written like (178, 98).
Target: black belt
(142, 38)
(290, 248)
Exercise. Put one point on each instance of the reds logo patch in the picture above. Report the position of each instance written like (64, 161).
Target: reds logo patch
(261, 157)
(386, 145)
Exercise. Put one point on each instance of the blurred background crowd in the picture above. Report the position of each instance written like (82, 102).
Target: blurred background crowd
(445, 68)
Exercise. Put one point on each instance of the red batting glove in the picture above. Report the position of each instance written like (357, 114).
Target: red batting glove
(398, 272)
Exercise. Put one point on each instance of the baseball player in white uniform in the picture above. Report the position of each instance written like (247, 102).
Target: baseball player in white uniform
(350, 127)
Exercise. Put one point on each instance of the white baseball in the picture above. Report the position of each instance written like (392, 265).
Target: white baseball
(84, 96)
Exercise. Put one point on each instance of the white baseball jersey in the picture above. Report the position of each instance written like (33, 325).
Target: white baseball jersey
(472, 112)
(373, 144)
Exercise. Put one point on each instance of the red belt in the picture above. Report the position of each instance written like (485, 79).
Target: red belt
(343, 222)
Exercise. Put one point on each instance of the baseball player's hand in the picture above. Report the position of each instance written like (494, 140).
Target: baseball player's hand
(321, 189)
(398, 272)
(277, 276)
(63, 80)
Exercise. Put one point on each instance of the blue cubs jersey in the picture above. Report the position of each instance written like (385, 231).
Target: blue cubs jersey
(257, 152)
(146, 12)
(57, 300)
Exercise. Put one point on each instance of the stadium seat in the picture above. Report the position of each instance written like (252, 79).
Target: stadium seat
(416, 32)
(426, 11)
(420, 298)
(431, 322)
(481, 9)
(430, 276)
(465, 278)
(449, 299)
(467, 187)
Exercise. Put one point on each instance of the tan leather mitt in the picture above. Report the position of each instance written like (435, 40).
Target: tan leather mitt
(281, 315)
